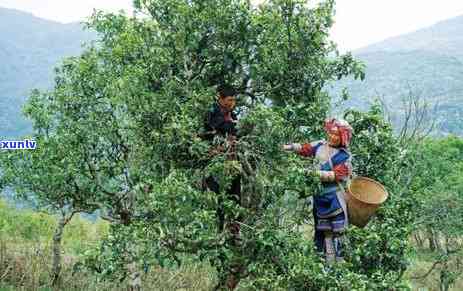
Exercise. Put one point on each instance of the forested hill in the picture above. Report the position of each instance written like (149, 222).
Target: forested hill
(428, 63)
(30, 47)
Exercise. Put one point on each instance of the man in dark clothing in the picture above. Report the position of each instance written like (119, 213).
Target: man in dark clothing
(221, 121)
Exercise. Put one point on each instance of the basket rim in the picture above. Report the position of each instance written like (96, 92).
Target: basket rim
(370, 180)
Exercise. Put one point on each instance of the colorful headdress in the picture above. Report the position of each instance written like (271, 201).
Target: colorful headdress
(343, 128)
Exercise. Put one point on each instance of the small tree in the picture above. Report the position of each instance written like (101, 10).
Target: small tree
(438, 188)
(46, 177)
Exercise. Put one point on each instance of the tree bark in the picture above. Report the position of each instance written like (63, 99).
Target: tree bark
(433, 240)
(444, 284)
(418, 239)
(231, 279)
(134, 275)
(56, 248)
(445, 272)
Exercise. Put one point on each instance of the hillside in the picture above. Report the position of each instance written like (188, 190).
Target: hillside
(444, 37)
(30, 47)
(427, 63)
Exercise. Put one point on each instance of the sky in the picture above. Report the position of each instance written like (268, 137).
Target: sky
(358, 22)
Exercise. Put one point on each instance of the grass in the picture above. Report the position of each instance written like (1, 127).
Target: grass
(27, 267)
(25, 257)
(421, 262)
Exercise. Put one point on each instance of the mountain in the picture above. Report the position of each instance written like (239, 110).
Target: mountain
(427, 63)
(30, 48)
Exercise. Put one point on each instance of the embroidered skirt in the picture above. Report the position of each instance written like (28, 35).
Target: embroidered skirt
(330, 210)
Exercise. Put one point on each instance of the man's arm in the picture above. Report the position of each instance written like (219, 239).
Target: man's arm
(216, 121)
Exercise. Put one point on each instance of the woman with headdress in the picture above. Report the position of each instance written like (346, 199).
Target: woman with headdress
(329, 207)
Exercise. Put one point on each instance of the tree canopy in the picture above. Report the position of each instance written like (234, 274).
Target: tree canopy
(120, 133)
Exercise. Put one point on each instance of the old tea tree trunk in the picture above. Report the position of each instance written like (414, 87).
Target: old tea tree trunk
(57, 240)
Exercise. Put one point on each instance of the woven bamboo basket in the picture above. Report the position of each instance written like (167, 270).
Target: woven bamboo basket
(363, 197)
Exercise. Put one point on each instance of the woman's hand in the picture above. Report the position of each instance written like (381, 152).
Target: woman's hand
(287, 147)
(327, 176)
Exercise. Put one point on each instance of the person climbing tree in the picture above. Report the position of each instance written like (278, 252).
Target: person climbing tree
(221, 122)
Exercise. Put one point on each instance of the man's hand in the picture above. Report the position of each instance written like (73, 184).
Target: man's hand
(216, 150)
(232, 140)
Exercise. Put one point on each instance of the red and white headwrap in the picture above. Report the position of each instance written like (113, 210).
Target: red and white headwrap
(343, 127)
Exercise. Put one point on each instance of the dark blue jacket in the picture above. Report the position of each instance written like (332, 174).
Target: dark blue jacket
(215, 123)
